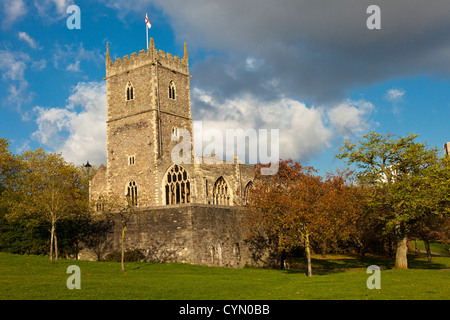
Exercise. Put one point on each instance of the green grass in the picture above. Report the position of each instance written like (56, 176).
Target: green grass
(435, 247)
(33, 277)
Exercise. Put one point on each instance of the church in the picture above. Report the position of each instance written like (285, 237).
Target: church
(188, 212)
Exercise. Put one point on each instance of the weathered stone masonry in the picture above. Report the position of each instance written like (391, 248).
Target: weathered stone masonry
(187, 212)
(190, 233)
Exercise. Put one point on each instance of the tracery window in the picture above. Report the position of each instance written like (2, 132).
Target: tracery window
(130, 93)
(100, 204)
(221, 192)
(132, 193)
(247, 190)
(177, 186)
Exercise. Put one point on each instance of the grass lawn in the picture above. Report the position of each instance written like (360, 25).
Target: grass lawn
(435, 247)
(32, 277)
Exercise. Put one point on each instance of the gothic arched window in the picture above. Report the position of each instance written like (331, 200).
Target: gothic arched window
(177, 186)
(247, 191)
(130, 93)
(221, 192)
(132, 193)
(171, 90)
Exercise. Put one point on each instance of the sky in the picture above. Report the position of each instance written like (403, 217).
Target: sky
(314, 70)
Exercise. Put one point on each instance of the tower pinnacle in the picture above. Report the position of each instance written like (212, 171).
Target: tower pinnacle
(108, 57)
(185, 55)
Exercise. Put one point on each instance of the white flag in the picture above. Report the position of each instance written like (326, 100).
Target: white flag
(147, 22)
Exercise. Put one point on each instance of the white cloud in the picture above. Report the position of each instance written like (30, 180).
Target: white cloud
(302, 131)
(78, 130)
(12, 11)
(395, 95)
(61, 5)
(78, 135)
(13, 65)
(24, 36)
(351, 117)
(52, 10)
(252, 63)
(39, 65)
(74, 66)
(12, 68)
(69, 57)
(18, 95)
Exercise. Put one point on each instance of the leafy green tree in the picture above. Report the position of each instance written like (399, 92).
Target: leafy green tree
(406, 180)
(9, 167)
(15, 236)
(50, 190)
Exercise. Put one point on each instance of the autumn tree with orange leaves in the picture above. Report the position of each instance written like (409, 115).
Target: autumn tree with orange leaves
(296, 206)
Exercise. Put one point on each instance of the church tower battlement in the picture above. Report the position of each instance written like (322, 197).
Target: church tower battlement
(152, 55)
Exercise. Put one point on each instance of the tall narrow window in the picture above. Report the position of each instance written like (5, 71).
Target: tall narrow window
(221, 193)
(132, 193)
(177, 186)
(171, 90)
(247, 191)
(130, 93)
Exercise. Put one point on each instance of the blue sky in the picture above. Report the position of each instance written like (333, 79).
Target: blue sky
(313, 70)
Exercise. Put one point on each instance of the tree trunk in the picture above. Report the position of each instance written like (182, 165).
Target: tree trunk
(282, 259)
(401, 258)
(123, 246)
(362, 253)
(308, 256)
(56, 246)
(52, 233)
(427, 247)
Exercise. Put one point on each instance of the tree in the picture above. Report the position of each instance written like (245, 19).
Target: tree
(368, 226)
(119, 209)
(295, 207)
(50, 190)
(434, 225)
(94, 233)
(9, 167)
(404, 176)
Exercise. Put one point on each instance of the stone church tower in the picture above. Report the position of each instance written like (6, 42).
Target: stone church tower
(148, 100)
(192, 211)
(148, 103)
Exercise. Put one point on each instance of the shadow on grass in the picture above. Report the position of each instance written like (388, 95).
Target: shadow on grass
(324, 265)
(419, 262)
(336, 264)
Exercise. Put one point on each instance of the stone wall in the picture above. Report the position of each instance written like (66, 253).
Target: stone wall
(189, 233)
